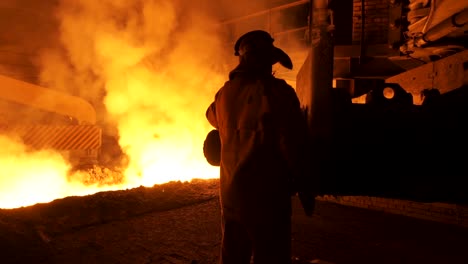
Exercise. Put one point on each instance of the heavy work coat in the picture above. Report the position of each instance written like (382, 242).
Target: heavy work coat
(262, 133)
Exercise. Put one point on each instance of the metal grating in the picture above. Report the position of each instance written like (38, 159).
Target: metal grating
(65, 137)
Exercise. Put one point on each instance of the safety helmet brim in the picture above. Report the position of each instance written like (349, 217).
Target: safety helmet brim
(279, 56)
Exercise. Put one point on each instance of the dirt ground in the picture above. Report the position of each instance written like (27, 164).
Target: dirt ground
(178, 223)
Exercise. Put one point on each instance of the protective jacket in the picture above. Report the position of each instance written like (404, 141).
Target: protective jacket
(262, 131)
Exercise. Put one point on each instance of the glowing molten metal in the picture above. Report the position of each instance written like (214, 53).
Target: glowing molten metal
(153, 74)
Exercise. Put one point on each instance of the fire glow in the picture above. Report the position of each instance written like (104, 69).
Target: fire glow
(157, 73)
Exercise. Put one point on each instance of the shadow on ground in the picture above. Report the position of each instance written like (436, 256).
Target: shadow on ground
(179, 223)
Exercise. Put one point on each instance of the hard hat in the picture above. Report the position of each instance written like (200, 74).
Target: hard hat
(263, 38)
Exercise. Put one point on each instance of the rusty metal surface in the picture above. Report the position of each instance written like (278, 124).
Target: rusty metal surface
(74, 137)
(445, 75)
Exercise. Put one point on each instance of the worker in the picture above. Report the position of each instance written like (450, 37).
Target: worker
(262, 133)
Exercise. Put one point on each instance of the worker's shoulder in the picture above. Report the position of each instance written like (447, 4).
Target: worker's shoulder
(228, 83)
(279, 80)
(282, 84)
(225, 84)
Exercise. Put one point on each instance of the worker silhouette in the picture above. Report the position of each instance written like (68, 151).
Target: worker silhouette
(262, 134)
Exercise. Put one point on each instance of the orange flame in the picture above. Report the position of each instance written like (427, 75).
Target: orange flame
(30, 177)
(158, 73)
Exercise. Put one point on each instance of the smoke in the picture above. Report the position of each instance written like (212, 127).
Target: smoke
(285, 20)
(150, 68)
(32, 176)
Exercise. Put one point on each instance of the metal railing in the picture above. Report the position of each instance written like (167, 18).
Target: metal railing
(265, 12)
(268, 12)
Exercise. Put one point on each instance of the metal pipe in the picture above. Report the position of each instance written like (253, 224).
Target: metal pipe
(264, 12)
(362, 48)
(321, 69)
(449, 25)
(283, 32)
(429, 16)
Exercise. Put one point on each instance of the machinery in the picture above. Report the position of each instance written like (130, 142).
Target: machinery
(383, 86)
(47, 119)
(391, 133)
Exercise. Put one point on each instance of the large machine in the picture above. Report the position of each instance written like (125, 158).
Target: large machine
(43, 118)
(391, 133)
(383, 86)
(384, 89)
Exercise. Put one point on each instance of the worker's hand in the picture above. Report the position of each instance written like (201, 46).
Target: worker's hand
(308, 202)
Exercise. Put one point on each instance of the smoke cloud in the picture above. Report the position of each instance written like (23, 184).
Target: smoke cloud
(150, 68)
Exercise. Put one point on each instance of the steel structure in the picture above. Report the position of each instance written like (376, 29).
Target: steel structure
(44, 118)
(387, 120)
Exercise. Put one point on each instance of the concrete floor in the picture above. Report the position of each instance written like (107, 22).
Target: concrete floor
(191, 234)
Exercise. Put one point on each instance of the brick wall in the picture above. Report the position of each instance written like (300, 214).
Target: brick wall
(439, 212)
(375, 21)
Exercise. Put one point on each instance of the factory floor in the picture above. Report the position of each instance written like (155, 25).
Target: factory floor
(179, 224)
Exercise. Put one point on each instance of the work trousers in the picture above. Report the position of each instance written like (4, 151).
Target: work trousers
(265, 238)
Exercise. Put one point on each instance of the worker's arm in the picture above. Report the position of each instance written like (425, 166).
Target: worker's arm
(212, 143)
(211, 113)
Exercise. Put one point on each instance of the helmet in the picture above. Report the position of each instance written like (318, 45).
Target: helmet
(255, 35)
(263, 38)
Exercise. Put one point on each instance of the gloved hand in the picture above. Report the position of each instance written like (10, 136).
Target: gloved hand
(308, 202)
